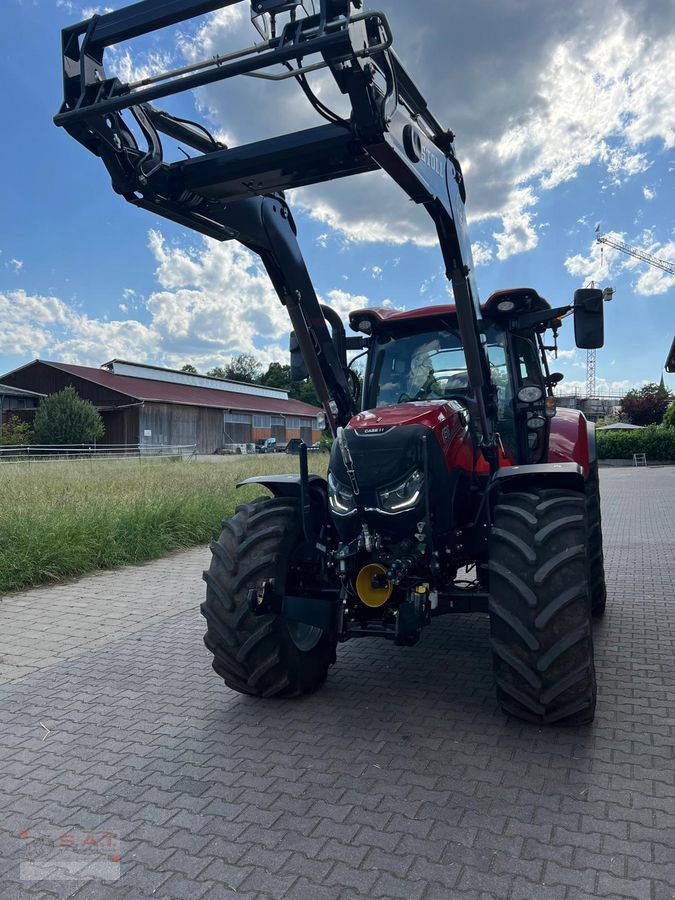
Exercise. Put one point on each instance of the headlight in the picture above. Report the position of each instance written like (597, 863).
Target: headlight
(341, 498)
(403, 497)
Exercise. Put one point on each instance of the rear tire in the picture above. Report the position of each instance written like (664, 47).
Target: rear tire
(540, 622)
(595, 552)
(261, 655)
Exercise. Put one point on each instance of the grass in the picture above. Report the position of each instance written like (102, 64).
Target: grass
(62, 519)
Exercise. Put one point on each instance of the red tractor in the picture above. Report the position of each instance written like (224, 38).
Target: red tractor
(454, 484)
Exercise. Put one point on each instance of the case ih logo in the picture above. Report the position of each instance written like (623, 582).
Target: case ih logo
(375, 429)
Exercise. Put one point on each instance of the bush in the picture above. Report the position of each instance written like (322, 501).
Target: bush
(669, 416)
(656, 442)
(15, 431)
(65, 418)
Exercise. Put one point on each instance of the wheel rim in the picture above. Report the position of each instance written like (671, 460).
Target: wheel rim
(305, 637)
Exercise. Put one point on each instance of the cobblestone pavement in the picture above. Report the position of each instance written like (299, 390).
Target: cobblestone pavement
(48, 625)
(399, 779)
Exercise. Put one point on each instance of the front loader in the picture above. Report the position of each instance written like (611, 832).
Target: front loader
(454, 484)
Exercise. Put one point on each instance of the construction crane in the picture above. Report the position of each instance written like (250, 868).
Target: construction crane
(655, 261)
(636, 253)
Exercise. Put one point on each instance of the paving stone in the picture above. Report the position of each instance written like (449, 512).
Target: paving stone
(399, 779)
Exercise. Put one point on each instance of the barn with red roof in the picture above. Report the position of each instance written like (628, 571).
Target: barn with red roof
(149, 405)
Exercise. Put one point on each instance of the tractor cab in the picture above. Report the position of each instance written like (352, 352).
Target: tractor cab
(418, 358)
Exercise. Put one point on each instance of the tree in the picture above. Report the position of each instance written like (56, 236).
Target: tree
(647, 405)
(217, 372)
(244, 367)
(189, 369)
(304, 391)
(277, 376)
(65, 418)
(669, 416)
(15, 431)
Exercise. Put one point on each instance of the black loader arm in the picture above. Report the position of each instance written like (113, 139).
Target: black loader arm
(238, 193)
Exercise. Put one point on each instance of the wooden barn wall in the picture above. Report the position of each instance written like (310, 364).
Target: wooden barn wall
(121, 426)
(237, 433)
(182, 425)
(25, 415)
(210, 431)
(47, 380)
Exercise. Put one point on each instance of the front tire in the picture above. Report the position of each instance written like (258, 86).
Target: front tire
(540, 622)
(261, 655)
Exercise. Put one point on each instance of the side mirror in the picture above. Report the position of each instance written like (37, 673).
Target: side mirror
(298, 368)
(589, 321)
(554, 378)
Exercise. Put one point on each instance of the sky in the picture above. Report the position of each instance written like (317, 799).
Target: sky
(565, 123)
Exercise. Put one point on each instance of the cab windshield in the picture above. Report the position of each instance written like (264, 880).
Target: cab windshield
(426, 366)
(422, 366)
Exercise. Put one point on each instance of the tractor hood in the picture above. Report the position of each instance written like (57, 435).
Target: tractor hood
(444, 422)
(434, 415)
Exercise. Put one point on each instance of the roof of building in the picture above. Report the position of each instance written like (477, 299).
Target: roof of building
(143, 389)
(8, 391)
(178, 376)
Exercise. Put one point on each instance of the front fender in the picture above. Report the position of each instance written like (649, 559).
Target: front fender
(570, 439)
(568, 475)
(288, 485)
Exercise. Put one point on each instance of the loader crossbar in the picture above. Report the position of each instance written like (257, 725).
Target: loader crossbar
(306, 37)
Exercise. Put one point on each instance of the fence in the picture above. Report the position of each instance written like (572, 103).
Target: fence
(29, 453)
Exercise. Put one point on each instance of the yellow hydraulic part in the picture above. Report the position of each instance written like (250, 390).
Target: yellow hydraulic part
(373, 596)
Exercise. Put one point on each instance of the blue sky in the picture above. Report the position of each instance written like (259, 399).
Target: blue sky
(563, 119)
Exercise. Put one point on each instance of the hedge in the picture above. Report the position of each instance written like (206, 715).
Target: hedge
(657, 442)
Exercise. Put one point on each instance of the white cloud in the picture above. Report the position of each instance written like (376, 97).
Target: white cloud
(482, 253)
(213, 301)
(29, 322)
(608, 266)
(569, 355)
(89, 11)
(518, 229)
(648, 193)
(343, 303)
(367, 208)
(129, 68)
(542, 92)
(16, 265)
